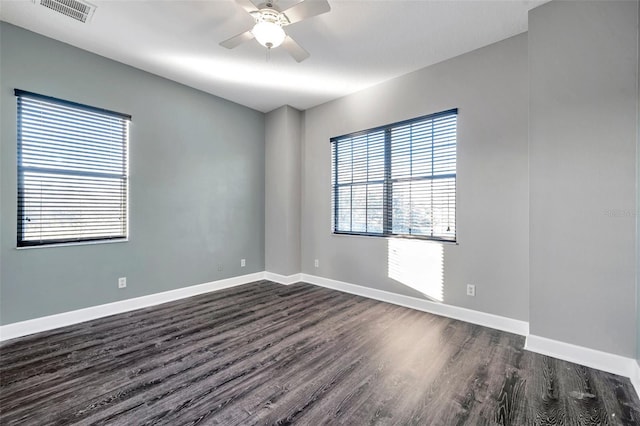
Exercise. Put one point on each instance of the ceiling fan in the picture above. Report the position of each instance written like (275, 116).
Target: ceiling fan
(270, 20)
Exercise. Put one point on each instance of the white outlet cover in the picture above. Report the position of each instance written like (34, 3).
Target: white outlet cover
(471, 290)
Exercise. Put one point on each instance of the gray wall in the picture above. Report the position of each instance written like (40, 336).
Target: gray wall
(282, 190)
(638, 203)
(490, 88)
(196, 184)
(583, 135)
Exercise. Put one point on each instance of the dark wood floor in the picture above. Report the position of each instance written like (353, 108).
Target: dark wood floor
(269, 354)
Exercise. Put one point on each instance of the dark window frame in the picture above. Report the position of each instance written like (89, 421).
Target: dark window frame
(72, 180)
(388, 180)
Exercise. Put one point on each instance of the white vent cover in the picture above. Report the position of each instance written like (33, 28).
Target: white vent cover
(76, 9)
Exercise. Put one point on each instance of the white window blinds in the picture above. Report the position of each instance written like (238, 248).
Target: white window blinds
(399, 179)
(72, 171)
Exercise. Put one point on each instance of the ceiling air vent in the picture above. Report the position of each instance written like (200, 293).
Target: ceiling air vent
(78, 10)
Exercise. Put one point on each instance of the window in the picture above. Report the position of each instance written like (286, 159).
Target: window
(72, 172)
(397, 180)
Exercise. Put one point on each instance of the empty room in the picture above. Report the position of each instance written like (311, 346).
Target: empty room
(340, 212)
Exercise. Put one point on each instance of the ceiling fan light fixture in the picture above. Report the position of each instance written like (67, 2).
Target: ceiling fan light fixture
(268, 34)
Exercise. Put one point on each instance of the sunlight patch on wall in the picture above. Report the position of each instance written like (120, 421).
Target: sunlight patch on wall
(419, 265)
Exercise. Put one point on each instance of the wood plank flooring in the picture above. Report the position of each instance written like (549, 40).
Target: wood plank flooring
(266, 354)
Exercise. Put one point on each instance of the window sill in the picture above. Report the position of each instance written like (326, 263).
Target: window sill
(391, 237)
(79, 243)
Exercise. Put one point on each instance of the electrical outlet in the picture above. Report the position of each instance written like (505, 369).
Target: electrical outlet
(471, 290)
(316, 263)
(219, 267)
(243, 263)
(122, 282)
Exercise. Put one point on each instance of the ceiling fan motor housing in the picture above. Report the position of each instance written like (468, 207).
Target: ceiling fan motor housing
(270, 15)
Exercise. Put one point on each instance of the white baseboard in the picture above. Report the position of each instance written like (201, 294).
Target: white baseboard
(616, 364)
(36, 325)
(635, 378)
(463, 314)
(283, 279)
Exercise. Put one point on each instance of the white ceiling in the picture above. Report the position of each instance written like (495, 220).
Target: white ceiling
(359, 43)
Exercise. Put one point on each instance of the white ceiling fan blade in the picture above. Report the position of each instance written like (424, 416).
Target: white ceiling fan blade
(306, 9)
(247, 5)
(237, 40)
(294, 49)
